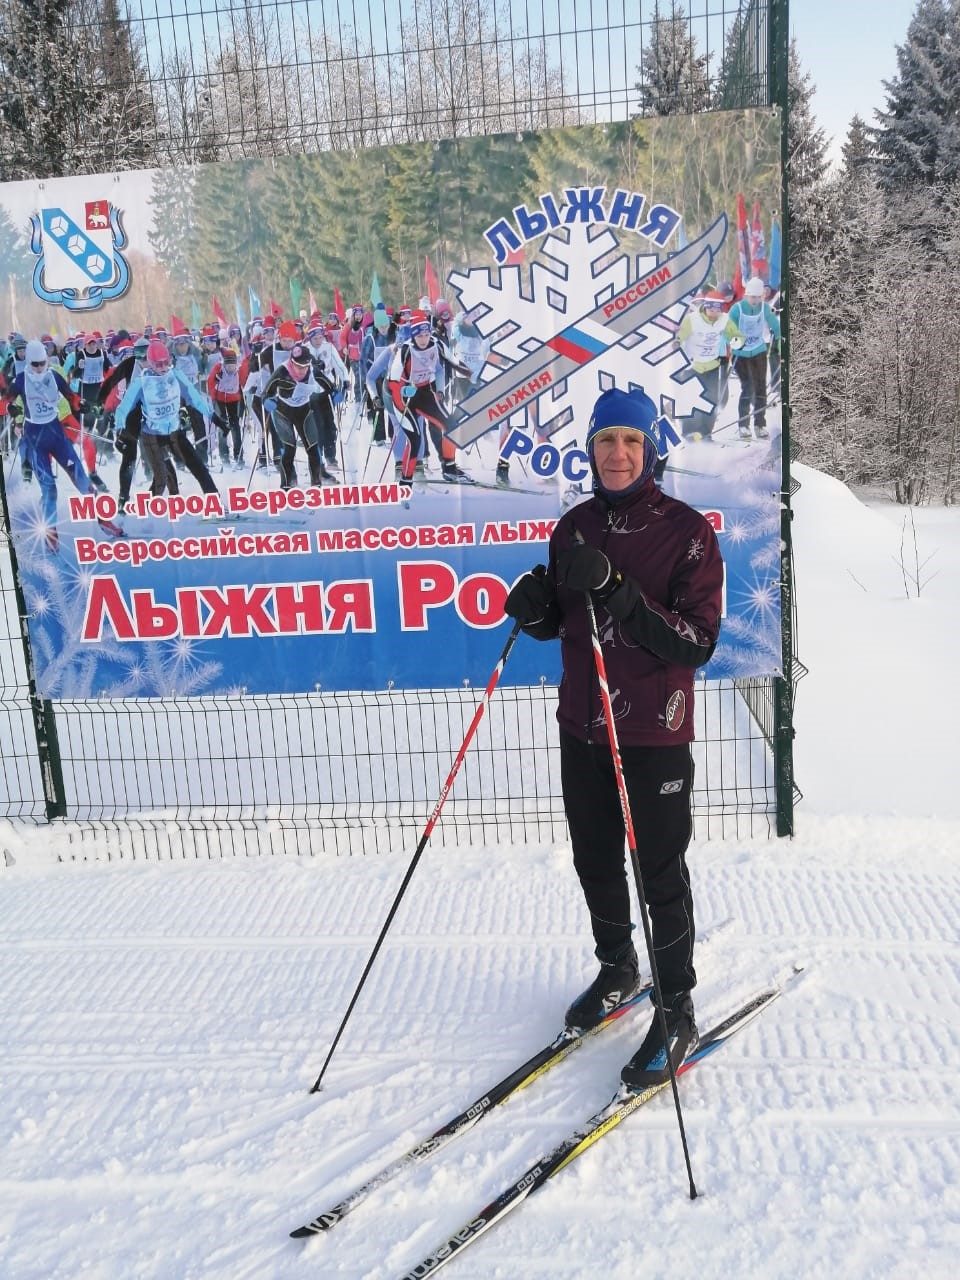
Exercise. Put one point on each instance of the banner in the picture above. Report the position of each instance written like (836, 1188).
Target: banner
(273, 579)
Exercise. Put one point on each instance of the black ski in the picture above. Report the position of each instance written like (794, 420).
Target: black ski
(623, 1104)
(566, 1042)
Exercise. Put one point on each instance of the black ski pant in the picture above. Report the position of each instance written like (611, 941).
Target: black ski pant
(326, 425)
(226, 414)
(659, 781)
(156, 451)
(752, 372)
(128, 452)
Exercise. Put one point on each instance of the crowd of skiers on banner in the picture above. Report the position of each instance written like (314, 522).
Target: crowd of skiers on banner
(195, 400)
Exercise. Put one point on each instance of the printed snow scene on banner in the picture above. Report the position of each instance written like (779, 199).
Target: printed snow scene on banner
(79, 263)
(583, 317)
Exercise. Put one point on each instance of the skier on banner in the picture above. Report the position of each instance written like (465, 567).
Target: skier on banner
(351, 341)
(287, 398)
(759, 325)
(379, 336)
(37, 392)
(331, 376)
(653, 569)
(259, 371)
(224, 383)
(112, 391)
(707, 336)
(412, 386)
(90, 366)
(162, 392)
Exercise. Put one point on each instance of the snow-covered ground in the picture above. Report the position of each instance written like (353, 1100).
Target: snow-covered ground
(162, 1023)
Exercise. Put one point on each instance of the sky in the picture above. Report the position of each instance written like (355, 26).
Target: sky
(163, 1020)
(849, 47)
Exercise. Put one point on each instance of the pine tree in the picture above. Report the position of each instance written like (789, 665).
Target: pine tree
(14, 255)
(118, 128)
(37, 89)
(807, 157)
(918, 138)
(673, 73)
(174, 225)
(740, 82)
(858, 150)
(73, 90)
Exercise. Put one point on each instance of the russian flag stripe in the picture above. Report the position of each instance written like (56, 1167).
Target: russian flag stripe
(578, 344)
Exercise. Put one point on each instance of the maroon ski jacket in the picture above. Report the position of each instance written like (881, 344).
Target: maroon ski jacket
(657, 626)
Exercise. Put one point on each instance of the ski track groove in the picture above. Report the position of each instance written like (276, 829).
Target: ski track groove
(163, 1026)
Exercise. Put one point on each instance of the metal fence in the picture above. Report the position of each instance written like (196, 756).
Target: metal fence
(182, 81)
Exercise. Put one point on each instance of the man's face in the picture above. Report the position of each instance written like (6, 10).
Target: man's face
(618, 453)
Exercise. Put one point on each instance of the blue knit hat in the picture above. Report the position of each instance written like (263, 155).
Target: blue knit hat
(633, 410)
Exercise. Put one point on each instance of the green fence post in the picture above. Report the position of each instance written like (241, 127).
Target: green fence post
(779, 51)
(41, 709)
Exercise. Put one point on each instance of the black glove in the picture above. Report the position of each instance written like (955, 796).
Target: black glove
(123, 440)
(583, 568)
(531, 597)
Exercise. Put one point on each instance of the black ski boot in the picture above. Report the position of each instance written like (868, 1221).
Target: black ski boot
(648, 1066)
(617, 981)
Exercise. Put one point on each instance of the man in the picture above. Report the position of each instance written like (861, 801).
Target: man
(331, 376)
(38, 390)
(287, 397)
(652, 566)
(161, 391)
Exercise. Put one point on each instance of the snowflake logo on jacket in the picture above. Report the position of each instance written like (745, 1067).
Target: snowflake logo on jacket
(695, 549)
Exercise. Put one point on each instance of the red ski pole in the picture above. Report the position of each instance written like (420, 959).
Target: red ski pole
(428, 830)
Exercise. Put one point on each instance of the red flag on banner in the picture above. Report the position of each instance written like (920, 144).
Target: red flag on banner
(177, 325)
(743, 248)
(218, 312)
(338, 306)
(313, 302)
(759, 266)
(430, 282)
(275, 309)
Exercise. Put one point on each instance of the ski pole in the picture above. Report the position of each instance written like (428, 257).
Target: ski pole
(427, 832)
(373, 432)
(259, 442)
(635, 862)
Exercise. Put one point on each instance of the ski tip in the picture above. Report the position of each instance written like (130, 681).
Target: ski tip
(301, 1233)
